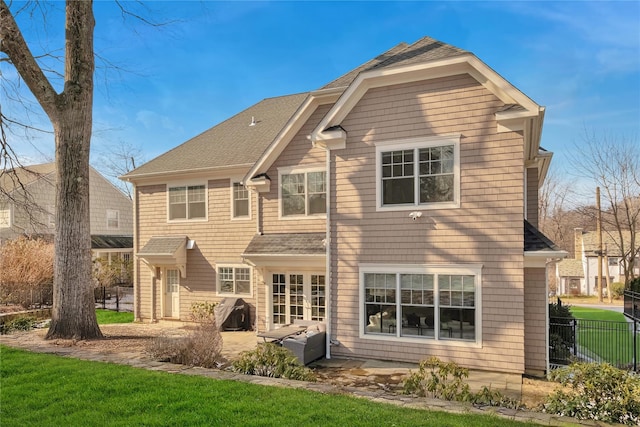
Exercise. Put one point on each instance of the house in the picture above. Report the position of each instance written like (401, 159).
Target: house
(579, 276)
(29, 209)
(397, 203)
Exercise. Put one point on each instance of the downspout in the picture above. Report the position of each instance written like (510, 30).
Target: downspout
(327, 240)
(328, 256)
(136, 278)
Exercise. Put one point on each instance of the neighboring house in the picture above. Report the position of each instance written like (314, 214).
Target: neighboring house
(580, 275)
(398, 204)
(29, 209)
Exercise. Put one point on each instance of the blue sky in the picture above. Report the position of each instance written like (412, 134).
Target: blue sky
(165, 85)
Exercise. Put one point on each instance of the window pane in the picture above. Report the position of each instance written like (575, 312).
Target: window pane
(397, 191)
(317, 204)
(292, 205)
(436, 189)
(178, 195)
(243, 287)
(293, 194)
(197, 210)
(436, 174)
(178, 211)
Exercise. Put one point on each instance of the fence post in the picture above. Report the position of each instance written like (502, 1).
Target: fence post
(635, 344)
(117, 298)
(104, 297)
(574, 327)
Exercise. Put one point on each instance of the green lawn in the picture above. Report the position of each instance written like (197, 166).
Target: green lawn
(110, 316)
(48, 390)
(610, 341)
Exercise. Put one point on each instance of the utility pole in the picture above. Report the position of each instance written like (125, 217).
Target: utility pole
(606, 272)
(599, 233)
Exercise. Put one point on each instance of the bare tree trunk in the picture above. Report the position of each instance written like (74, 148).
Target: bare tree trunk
(73, 314)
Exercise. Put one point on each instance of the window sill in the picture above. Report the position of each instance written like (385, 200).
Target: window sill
(446, 342)
(302, 217)
(429, 207)
(182, 221)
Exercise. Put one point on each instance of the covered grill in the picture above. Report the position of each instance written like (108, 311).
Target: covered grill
(232, 314)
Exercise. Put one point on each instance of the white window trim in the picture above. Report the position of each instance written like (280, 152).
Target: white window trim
(117, 218)
(9, 213)
(188, 184)
(307, 273)
(465, 269)
(232, 205)
(234, 266)
(297, 170)
(413, 143)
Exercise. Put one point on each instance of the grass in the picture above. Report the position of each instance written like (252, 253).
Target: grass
(46, 390)
(109, 316)
(612, 342)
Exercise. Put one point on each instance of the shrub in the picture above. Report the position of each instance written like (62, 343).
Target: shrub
(203, 312)
(445, 380)
(596, 391)
(22, 323)
(439, 380)
(202, 347)
(617, 289)
(26, 275)
(561, 333)
(270, 360)
(634, 284)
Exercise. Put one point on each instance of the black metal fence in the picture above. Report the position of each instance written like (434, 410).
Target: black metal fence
(632, 305)
(119, 298)
(573, 340)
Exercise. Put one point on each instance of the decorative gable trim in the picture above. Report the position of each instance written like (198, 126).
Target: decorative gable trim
(526, 118)
(293, 126)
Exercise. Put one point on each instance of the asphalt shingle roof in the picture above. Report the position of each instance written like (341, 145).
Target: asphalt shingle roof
(111, 242)
(11, 179)
(167, 245)
(535, 241)
(570, 268)
(287, 244)
(609, 238)
(423, 50)
(232, 142)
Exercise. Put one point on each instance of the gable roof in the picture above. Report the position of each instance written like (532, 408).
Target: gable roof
(425, 49)
(609, 238)
(232, 142)
(286, 244)
(535, 241)
(12, 179)
(570, 268)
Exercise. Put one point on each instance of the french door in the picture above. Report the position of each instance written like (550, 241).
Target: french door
(296, 295)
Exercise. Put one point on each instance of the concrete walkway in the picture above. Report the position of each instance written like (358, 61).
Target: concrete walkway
(235, 342)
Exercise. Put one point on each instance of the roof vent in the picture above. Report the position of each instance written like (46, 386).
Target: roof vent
(253, 121)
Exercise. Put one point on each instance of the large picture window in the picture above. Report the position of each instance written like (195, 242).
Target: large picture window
(421, 302)
(418, 172)
(234, 280)
(303, 193)
(187, 202)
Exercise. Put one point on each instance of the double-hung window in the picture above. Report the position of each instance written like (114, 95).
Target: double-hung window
(187, 202)
(419, 173)
(240, 201)
(234, 280)
(113, 219)
(421, 302)
(303, 193)
(5, 215)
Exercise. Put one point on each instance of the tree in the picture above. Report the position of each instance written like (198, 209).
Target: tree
(613, 164)
(70, 112)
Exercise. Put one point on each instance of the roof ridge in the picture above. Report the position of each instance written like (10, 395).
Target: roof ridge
(401, 46)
